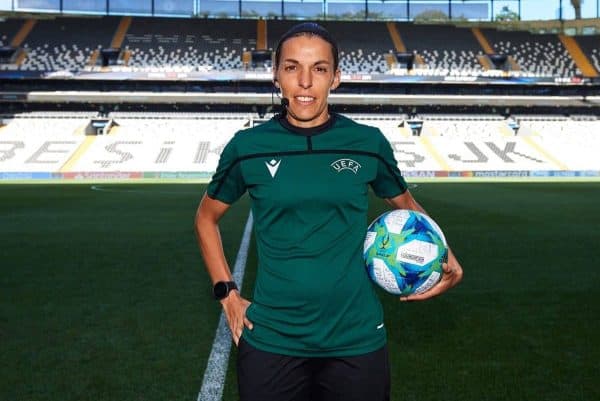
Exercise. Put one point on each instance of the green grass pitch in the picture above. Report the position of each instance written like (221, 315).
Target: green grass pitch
(103, 294)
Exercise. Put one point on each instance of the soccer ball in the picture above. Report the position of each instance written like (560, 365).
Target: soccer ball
(404, 251)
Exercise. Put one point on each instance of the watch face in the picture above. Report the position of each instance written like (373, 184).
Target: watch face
(220, 290)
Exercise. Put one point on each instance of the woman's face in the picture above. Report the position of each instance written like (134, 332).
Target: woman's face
(306, 74)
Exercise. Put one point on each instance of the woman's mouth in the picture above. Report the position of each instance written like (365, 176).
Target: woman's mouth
(304, 99)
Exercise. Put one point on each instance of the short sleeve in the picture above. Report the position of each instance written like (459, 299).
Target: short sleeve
(227, 184)
(388, 182)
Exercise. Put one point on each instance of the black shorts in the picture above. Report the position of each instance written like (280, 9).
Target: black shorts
(264, 376)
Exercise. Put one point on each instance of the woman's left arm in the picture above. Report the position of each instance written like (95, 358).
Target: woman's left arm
(453, 271)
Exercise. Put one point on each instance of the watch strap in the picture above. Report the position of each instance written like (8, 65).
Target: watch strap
(222, 289)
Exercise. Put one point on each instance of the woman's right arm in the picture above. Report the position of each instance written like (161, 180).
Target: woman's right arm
(206, 225)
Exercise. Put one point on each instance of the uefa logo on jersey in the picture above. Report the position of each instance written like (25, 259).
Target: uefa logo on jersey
(346, 164)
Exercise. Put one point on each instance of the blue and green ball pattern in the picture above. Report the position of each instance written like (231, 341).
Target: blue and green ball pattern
(404, 251)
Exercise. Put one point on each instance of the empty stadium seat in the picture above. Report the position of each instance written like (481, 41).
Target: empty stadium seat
(539, 55)
(444, 48)
(193, 142)
(66, 43)
(203, 44)
(359, 52)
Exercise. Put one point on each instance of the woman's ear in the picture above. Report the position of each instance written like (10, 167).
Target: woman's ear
(337, 77)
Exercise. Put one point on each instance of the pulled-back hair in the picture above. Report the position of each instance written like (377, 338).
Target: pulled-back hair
(309, 29)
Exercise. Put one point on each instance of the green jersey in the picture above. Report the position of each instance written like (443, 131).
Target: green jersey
(309, 193)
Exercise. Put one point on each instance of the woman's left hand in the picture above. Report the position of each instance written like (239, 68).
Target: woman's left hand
(452, 275)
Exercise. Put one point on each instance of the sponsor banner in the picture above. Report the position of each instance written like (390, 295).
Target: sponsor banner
(178, 74)
(501, 173)
(420, 173)
(106, 175)
(540, 173)
(561, 173)
(590, 173)
(131, 74)
(25, 176)
(102, 175)
(188, 175)
(454, 174)
(207, 175)
(13, 97)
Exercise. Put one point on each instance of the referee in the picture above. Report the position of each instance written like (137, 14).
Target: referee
(314, 329)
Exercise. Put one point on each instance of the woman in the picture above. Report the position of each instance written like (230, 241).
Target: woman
(314, 329)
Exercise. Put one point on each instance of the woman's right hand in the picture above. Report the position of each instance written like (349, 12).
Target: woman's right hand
(235, 308)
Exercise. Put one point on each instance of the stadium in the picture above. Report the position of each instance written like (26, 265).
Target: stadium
(113, 116)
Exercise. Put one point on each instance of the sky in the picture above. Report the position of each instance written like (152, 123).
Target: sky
(530, 9)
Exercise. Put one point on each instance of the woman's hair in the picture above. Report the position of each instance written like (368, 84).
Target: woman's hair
(309, 29)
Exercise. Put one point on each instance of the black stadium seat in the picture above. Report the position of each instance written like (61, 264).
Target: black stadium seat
(66, 43)
(58, 44)
(201, 43)
(540, 55)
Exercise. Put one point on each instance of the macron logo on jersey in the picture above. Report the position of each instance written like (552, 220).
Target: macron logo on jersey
(346, 164)
(273, 166)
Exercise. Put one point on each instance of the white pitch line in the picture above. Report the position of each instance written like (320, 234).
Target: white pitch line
(214, 375)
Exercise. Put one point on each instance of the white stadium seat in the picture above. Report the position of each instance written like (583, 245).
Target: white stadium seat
(186, 142)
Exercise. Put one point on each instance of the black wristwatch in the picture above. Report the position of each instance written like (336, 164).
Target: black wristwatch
(222, 288)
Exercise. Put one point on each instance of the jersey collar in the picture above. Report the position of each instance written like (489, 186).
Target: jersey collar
(306, 131)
